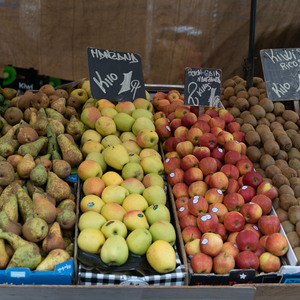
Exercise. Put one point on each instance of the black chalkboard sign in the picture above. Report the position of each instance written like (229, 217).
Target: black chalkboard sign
(202, 87)
(281, 69)
(116, 76)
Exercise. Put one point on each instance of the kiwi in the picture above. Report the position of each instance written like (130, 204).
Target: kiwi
(264, 121)
(297, 254)
(253, 153)
(275, 203)
(297, 191)
(266, 160)
(289, 172)
(228, 82)
(261, 172)
(242, 104)
(253, 91)
(270, 117)
(239, 87)
(294, 181)
(242, 94)
(286, 189)
(282, 155)
(252, 138)
(262, 151)
(282, 214)
(298, 173)
(244, 114)
(253, 100)
(256, 165)
(239, 120)
(13, 115)
(290, 125)
(267, 104)
(271, 147)
(40, 100)
(280, 120)
(293, 153)
(294, 213)
(232, 100)
(272, 171)
(279, 179)
(294, 163)
(296, 141)
(278, 108)
(291, 133)
(262, 127)
(249, 119)
(276, 125)
(293, 239)
(278, 131)
(269, 180)
(298, 227)
(234, 111)
(290, 115)
(284, 142)
(257, 80)
(228, 92)
(48, 89)
(281, 164)
(266, 135)
(286, 201)
(287, 225)
(257, 111)
(246, 128)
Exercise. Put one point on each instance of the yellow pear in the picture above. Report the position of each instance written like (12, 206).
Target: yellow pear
(54, 257)
(116, 156)
(111, 177)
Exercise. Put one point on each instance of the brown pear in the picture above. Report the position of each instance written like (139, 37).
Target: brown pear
(7, 173)
(59, 105)
(66, 219)
(25, 166)
(9, 225)
(67, 204)
(43, 208)
(57, 127)
(57, 187)
(35, 229)
(61, 168)
(54, 239)
(4, 258)
(9, 203)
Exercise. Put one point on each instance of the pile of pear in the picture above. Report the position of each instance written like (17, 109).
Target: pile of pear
(123, 208)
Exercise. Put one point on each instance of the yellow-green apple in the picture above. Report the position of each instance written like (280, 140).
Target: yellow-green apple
(134, 157)
(219, 180)
(208, 165)
(93, 186)
(176, 176)
(264, 202)
(140, 112)
(181, 132)
(112, 178)
(81, 94)
(163, 230)
(125, 107)
(193, 135)
(127, 136)
(277, 244)
(85, 84)
(109, 112)
(163, 131)
(192, 247)
(153, 179)
(223, 263)
(239, 136)
(251, 212)
(123, 121)
(203, 125)
(98, 157)
(132, 169)
(116, 156)
(207, 140)
(180, 189)
(197, 205)
(181, 200)
(142, 123)
(100, 104)
(89, 116)
(91, 146)
(216, 122)
(90, 134)
(174, 124)
(182, 210)
(231, 171)
(187, 220)
(132, 147)
(171, 164)
(223, 137)
(90, 219)
(247, 240)
(218, 153)
(244, 166)
(226, 115)
(253, 179)
(181, 111)
(269, 224)
(214, 195)
(234, 201)
(114, 251)
(234, 221)
(197, 188)
(232, 157)
(201, 152)
(139, 240)
(157, 212)
(219, 209)
(152, 164)
(162, 121)
(114, 193)
(191, 233)
(91, 203)
(143, 104)
(147, 138)
(204, 117)
(89, 168)
(230, 248)
(248, 192)
(135, 219)
(269, 262)
(253, 227)
(113, 211)
(114, 227)
(135, 201)
(207, 222)
(155, 194)
(233, 145)
(149, 152)
(211, 244)
(233, 186)
(192, 174)
(188, 119)
(133, 185)
(158, 115)
(267, 189)
(201, 263)
(247, 260)
(105, 126)
(110, 140)
(90, 240)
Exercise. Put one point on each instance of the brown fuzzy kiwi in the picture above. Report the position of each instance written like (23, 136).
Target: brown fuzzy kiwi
(266, 160)
(253, 91)
(256, 165)
(244, 114)
(261, 172)
(228, 82)
(257, 111)
(242, 104)
(286, 201)
(291, 133)
(225, 103)
(286, 189)
(282, 214)
(296, 141)
(252, 138)
(290, 125)
(279, 179)
(266, 135)
(294, 213)
(271, 147)
(285, 143)
(249, 119)
(228, 92)
(239, 120)
(267, 104)
(253, 100)
(234, 111)
(262, 151)
(269, 180)
(239, 87)
(290, 115)
(13, 115)
(48, 89)
(280, 120)
(277, 132)
(282, 155)
(289, 173)
(278, 108)
(253, 153)
(294, 181)
(276, 125)
(262, 96)
(262, 86)
(246, 128)
(262, 128)
(270, 117)
(272, 170)
(293, 238)
(298, 227)
(242, 94)
(297, 254)
(281, 164)
(294, 163)
(288, 226)
(264, 121)
(232, 100)
(275, 203)
(257, 80)
(61, 93)
(297, 191)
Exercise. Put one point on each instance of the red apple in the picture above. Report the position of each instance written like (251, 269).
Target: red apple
(269, 262)
(211, 244)
(254, 228)
(176, 176)
(193, 135)
(223, 137)
(251, 212)
(233, 145)
(173, 95)
(180, 189)
(240, 137)
(207, 222)
(201, 263)
(230, 248)
(208, 165)
(158, 115)
(219, 209)
(226, 115)
(190, 233)
(218, 153)
(277, 244)
(208, 140)
(192, 174)
(247, 240)
(192, 248)
(184, 148)
(197, 188)
(234, 221)
(232, 157)
(197, 205)
(219, 165)
(194, 109)
(244, 166)
(219, 180)
(214, 195)
(221, 230)
(174, 124)
(232, 236)
(187, 220)
(181, 111)
(215, 131)
(248, 192)
(264, 202)
(233, 186)
(161, 121)
(253, 179)
(204, 117)
(259, 251)
(269, 224)
(181, 200)
(181, 132)
(159, 95)
(188, 119)
(267, 189)
(263, 240)
(171, 164)
(201, 152)
(202, 125)
(163, 132)
(223, 263)
(189, 161)
(182, 210)
(247, 260)
(217, 122)
(211, 111)
(170, 143)
(233, 127)
(233, 201)
(230, 171)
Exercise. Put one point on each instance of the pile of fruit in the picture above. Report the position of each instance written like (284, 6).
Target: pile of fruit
(123, 208)
(223, 204)
(272, 135)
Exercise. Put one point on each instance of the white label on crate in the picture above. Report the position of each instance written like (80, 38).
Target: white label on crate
(204, 241)
(18, 274)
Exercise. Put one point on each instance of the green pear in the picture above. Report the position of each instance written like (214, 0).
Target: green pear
(152, 164)
(114, 227)
(9, 203)
(54, 257)
(157, 212)
(116, 156)
(123, 121)
(57, 187)
(133, 169)
(8, 148)
(38, 174)
(98, 157)
(155, 194)
(9, 225)
(109, 112)
(142, 123)
(135, 219)
(163, 230)
(139, 240)
(114, 251)
(91, 219)
(32, 148)
(110, 140)
(114, 193)
(4, 258)
(140, 112)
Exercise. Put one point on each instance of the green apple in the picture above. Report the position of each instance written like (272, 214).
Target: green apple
(85, 84)
(91, 219)
(110, 140)
(147, 138)
(152, 164)
(114, 251)
(135, 201)
(139, 240)
(124, 121)
(153, 179)
(133, 157)
(114, 193)
(98, 157)
(141, 124)
(80, 93)
(125, 107)
(155, 194)
(109, 112)
(127, 136)
(140, 112)
(90, 240)
(161, 256)
(90, 135)
(163, 230)
(149, 152)
(135, 219)
(133, 169)
(133, 185)
(105, 126)
(114, 227)
(100, 104)
(89, 116)
(112, 211)
(132, 147)
(116, 156)
(157, 212)
(143, 103)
